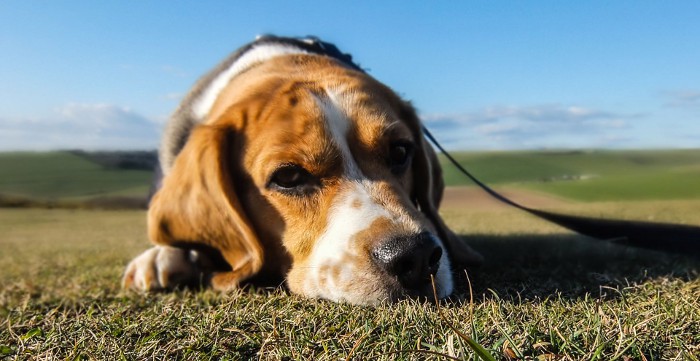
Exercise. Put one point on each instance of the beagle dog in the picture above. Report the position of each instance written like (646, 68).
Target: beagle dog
(288, 160)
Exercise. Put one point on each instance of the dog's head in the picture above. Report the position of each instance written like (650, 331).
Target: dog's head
(317, 171)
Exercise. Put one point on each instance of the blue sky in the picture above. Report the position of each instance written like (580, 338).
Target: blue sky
(483, 74)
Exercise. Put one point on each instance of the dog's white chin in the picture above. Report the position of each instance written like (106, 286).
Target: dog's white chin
(444, 284)
(362, 288)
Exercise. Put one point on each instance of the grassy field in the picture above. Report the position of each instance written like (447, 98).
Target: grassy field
(68, 176)
(588, 175)
(578, 175)
(543, 294)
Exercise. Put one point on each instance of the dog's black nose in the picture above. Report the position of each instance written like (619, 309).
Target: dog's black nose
(412, 259)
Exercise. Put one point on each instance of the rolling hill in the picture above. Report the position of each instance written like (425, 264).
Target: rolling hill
(587, 175)
(77, 178)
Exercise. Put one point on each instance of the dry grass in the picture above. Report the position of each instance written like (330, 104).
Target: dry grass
(543, 295)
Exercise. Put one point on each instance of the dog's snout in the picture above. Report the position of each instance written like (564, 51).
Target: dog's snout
(412, 259)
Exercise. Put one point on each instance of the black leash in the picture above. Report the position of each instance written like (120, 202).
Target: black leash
(666, 237)
(660, 236)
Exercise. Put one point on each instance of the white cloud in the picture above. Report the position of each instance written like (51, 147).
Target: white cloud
(173, 96)
(173, 70)
(683, 99)
(542, 126)
(81, 126)
(106, 126)
(496, 128)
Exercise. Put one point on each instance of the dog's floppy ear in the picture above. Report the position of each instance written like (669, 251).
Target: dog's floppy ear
(428, 188)
(198, 204)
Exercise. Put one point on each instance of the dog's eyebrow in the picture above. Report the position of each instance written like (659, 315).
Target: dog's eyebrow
(393, 125)
(323, 160)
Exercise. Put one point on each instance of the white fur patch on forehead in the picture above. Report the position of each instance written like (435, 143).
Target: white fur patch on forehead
(334, 107)
(257, 54)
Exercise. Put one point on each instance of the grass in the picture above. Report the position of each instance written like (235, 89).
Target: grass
(543, 295)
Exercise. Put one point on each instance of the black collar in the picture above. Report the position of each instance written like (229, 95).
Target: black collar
(310, 44)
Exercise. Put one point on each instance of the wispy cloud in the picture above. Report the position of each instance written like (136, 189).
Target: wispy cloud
(683, 98)
(84, 126)
(173, 70)
(541, 126)
(173, 96)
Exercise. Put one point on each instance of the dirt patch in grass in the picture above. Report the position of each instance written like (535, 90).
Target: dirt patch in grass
(101, 202)
(476, 198)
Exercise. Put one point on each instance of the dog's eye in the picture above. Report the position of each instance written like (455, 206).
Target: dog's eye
(400, 154)
(292, 179)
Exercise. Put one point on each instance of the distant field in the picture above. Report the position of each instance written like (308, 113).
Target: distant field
(588, 175)
(577, 175)
(69, 176)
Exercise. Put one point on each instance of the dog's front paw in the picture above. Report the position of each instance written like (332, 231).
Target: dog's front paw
(165, 268)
